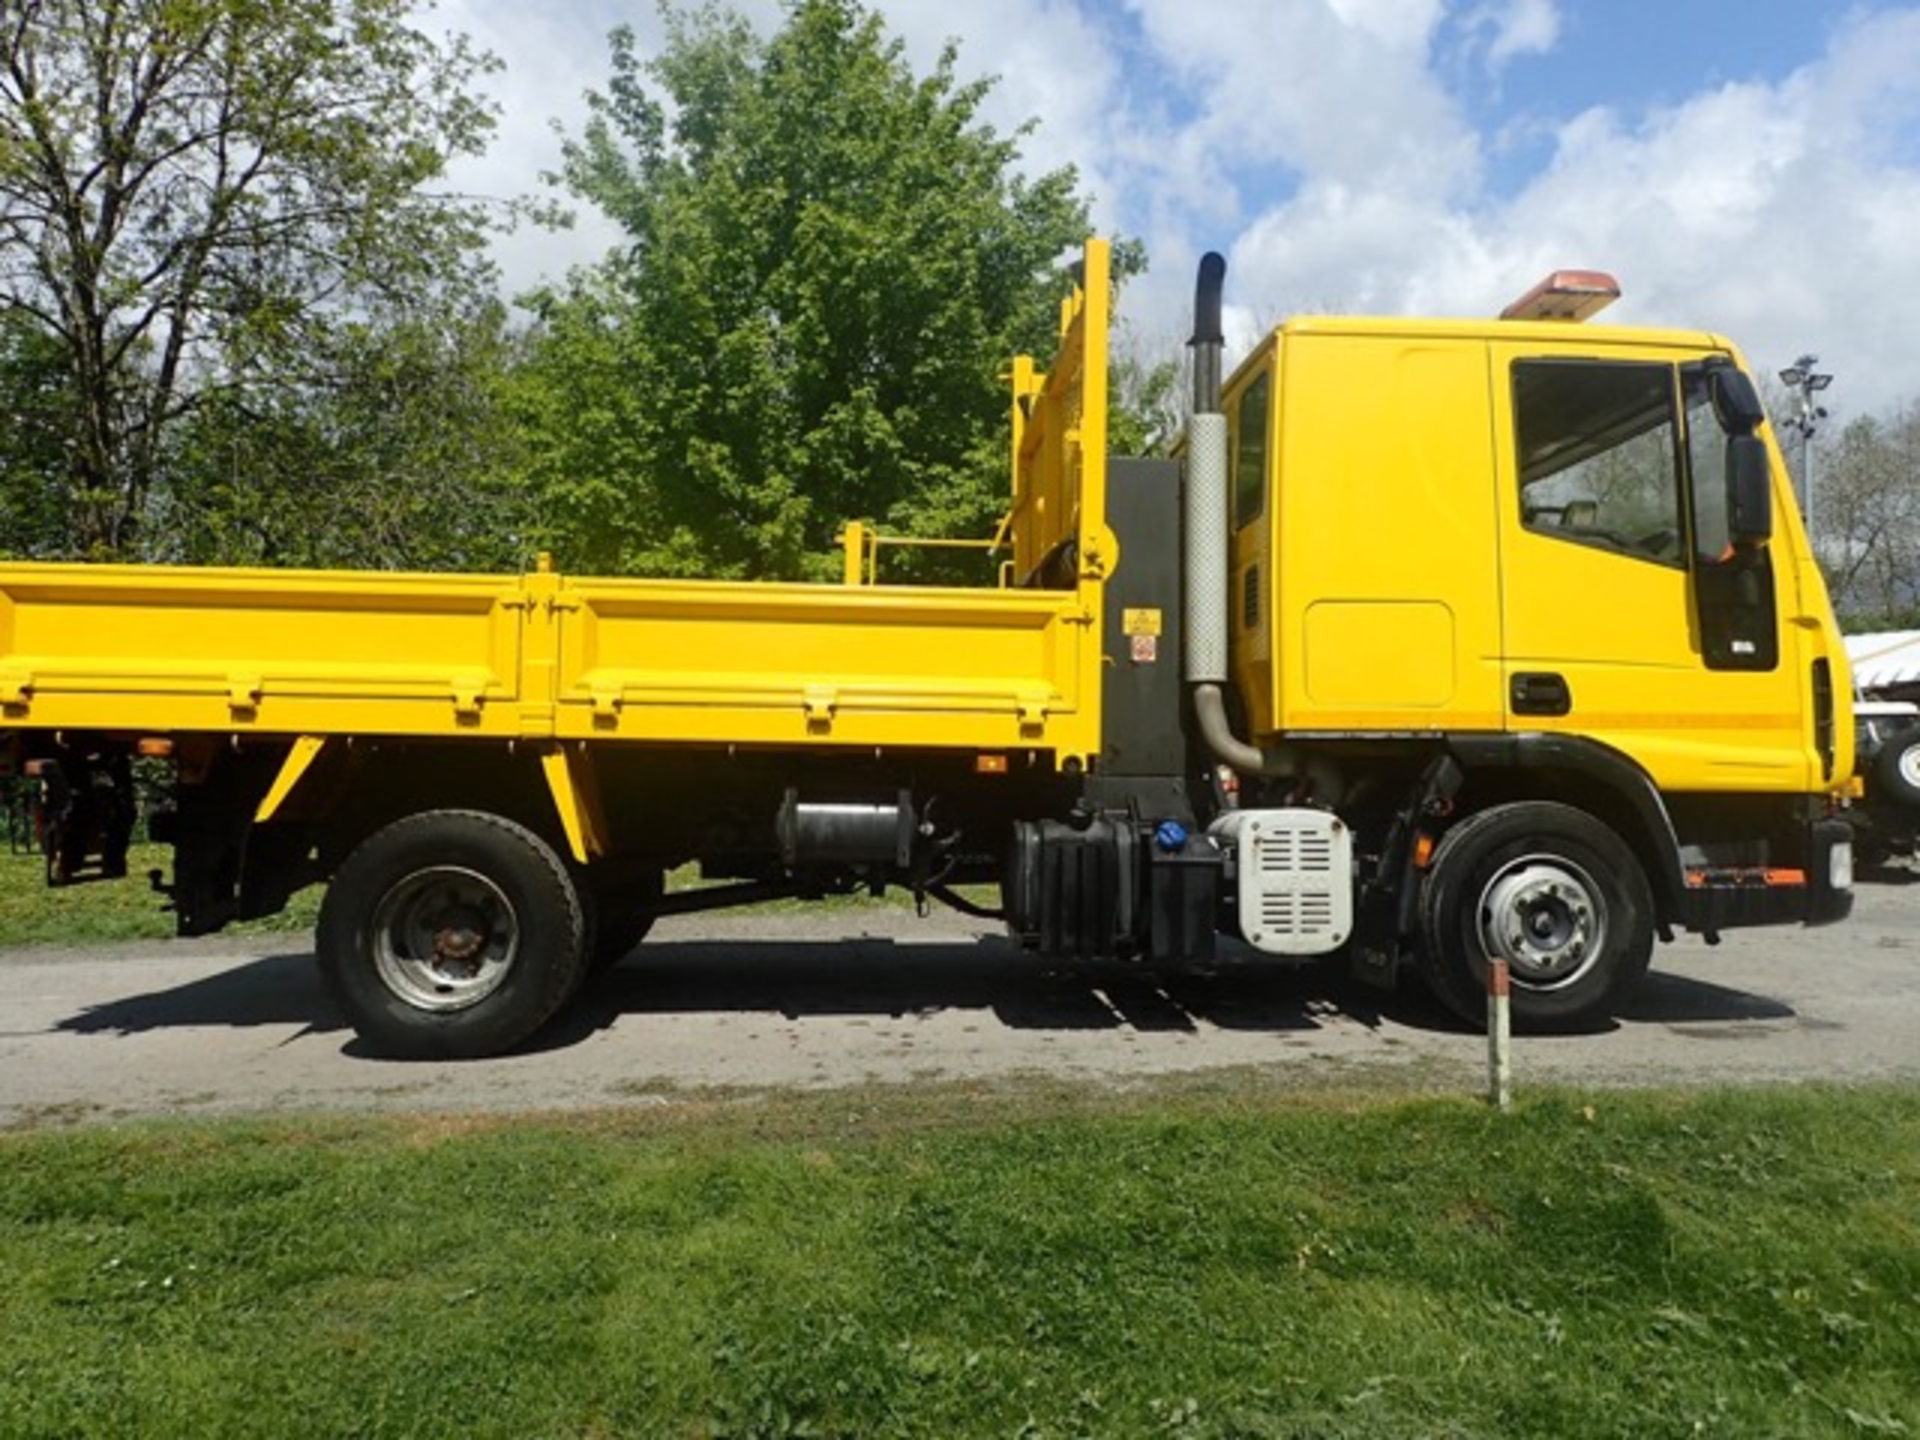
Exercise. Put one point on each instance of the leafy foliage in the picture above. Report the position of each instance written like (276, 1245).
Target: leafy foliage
(830, 260)
(34, 388)
(1866, 515)
(1147, 400)
(402, 425)
(197, 196)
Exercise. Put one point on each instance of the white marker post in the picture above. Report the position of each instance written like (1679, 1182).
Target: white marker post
(1499, 1035)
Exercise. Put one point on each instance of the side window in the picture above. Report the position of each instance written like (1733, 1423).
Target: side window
(1598, 456)
(1250, 450)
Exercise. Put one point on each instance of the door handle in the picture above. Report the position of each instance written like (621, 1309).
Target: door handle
(1540, 692)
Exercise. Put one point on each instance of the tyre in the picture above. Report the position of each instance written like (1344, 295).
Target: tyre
(1896, 770)
(1556, 894)
(451, 934)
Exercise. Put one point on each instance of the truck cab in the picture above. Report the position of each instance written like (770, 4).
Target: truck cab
(1565, 559)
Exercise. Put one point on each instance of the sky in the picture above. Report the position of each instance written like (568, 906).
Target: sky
(1750, 168)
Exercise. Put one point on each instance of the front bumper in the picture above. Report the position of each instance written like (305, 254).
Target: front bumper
(1818, 891)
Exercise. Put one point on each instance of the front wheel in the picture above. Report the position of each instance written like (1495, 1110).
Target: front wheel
(1554, 893)
(451, 934)
(1896, 770)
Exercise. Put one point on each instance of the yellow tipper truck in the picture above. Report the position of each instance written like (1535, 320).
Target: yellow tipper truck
(1446, 641)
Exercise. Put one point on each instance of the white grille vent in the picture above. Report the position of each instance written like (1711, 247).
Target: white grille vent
(1295, 878)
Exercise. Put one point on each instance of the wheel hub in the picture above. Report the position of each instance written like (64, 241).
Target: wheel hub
(460, 937)
(445, 938)
(1544, 918)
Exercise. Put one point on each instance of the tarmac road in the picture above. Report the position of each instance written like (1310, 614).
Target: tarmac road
(837, 998)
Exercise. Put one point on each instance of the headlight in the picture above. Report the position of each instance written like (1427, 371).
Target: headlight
(1840, 865)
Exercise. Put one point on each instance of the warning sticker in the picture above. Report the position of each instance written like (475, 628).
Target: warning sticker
(1140, 622)
(1146, 649)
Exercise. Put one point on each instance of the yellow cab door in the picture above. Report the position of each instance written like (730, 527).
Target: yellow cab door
(1629, 618)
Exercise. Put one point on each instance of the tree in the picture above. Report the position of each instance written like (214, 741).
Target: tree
(830, 261)
(194, 191)
(1148, 399)
(33, 392)
(398, 422)
(1869, 519)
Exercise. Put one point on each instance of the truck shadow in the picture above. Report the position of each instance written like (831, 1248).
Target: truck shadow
(885, 978)
(1242, 990)
(1665, 999)
(273, 990)
(1887, 873)
(870, 976)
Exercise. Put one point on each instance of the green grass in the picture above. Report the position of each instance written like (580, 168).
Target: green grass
(98, 910)
(955, 1262)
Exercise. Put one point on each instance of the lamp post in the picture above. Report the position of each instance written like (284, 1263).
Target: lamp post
(1803, 382)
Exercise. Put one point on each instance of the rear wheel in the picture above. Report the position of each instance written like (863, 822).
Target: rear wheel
(1554, 893)
(452, 933)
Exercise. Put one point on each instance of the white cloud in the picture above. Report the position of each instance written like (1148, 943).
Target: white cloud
(1394, 21)
(1782, 215)
(1519, 27)
(1309, 87)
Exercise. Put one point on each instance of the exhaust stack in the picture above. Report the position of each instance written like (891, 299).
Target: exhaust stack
(1207, 546)
(1206, 522)
(1209, 339)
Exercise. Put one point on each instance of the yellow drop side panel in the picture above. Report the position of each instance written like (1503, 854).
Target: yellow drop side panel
(157, 649)
(797, 665)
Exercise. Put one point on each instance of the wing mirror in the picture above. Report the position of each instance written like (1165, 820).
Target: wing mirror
(1736, 401)
(1749, 489)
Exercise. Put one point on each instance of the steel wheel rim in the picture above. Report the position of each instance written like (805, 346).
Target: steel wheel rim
(1546, 918)
(1909, 765)
(445, 938)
